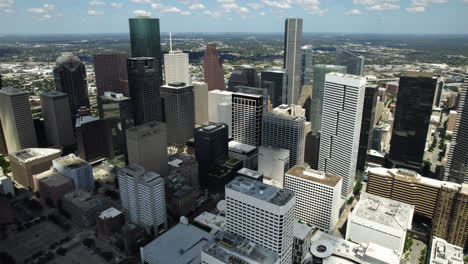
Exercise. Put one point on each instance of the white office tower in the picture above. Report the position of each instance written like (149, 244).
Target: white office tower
(176, 66)
(80, 171)
(247, 112)
(284, 130)
(16, 119)
(261, 213)
(220, 108)
(343, 102)
(318, 196)
(143, 198)
(200, 94)
(147, 147)
(381, 221)
(273, 162)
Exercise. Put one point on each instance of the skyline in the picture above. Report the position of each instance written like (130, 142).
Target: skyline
(320, 16)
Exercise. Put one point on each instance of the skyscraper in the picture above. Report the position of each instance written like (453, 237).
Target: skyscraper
(142, 195)
(58, 125)
(343, 101)
(94, 138)
(285, 131)
(276, 82)
(70, 78)
(292, 57)
(353, 62)
(200, 94)
(273, 162)
(145, 84)
(213, 69)
(178, 112)
(176, 67)
(457, 163)
(307, 65)
(320, 70)
(412, 117)
(147, 147)
(145, 38)
(220, 108)
(3, 145)
(76, 169)
(247, 76)
(247, 113)
(16, 118)
(367, 126)
(111, 72)
(270, 221)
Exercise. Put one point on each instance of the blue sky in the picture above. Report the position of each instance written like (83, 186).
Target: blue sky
(350, 16)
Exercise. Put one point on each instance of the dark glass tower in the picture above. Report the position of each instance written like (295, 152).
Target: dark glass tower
(307, 64)
(111, 72)
(353, 62)
(145, 37)
(367, 126)
(245, 77)
(70, 78)
(412, 118)
(144, 85)
(292, 57)
(275, 81)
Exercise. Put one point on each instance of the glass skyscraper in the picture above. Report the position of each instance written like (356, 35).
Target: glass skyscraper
(145, 37)
(353, 62)
(275, 81)
(292, 57)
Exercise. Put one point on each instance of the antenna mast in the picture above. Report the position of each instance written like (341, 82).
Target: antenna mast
(170, 41)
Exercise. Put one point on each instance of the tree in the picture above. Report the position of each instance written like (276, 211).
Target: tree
(423, 256)
(408, 242)
(5, 165)
(357, 188)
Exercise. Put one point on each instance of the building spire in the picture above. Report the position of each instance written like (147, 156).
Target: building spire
(170, 41)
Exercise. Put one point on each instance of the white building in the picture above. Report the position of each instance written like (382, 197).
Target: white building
(273, 162)
(442, 252)
(228, 248)
(261, 213)
(143, 197)
(200, 93)
(247, 112)
(80, 171)
(381, 221)
(176, 67)
(343, 102)
(220, 108)
(318, 196)
(246, 153)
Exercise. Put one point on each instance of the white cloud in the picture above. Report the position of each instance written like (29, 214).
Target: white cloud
(262, 13)
(93, 12)
(243, 9)
(257, 5)
(116, 5)
(170, 9)
(215, 14)
(416, 9)
(185, 13)
(141, 13)
(373, 2)
(156, 6)
(7, 3)
(277, 4)
(353, 12)
(46, 8)
(96, 3)
(196, 6)
(142, 1)
(383, 7)
(419, 6)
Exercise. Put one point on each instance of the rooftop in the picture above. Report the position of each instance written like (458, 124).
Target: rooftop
(250, 173)
(83, 200)
(443, 252)
(260, 190)
(234, 145)
(11, 91)
(71, 162)
(274, 152)
(146, 126)
(85, 119)
(386, 213)
(211, 127)
(179, 245)
(31, 154)
(114, 96)
(314, 176)
(215, 222)
(53, 93)
(52, 178)
(109, 213)
(230, 248)
(301, 231)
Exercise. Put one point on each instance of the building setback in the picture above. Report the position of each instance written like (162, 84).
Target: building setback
(292, 57)
(247, 113)
(213, 69)
(58, 124)
(353, 62)
(111, 72)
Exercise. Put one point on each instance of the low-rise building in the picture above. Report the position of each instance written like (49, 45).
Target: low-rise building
(246, 153)
(109, 222)
(82, 207)
(251, 174)
(52, 186)
(211, 221)
(442, 252)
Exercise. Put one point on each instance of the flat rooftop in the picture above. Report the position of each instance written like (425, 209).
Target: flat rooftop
(274, 152)
(234, 145)
(53, 93)
(250, 173)
(31, 154)
(443, 252)
(301, 231)
(392, 214)
(12, 91)
(71, 162)
(215, 222)
(314, 176)
(181, 244)
(82, 199)
(109, 213)
(260, 190)
(146, 126)
(52, 178)
(228, 248)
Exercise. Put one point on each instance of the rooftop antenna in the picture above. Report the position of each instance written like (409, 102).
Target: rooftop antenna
(170, 41)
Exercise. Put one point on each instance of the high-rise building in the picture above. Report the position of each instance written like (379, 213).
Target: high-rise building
(292, 57)
(111, 72)
(316, 105)
(176, 67)
(58, 124)
(220, 108)
(94, 138)
(276, 83)
(343, 101)
(312, 149)
(246, 153)
(307, 65)
(16, 117)
(142, 195)
(76, 169)
(367, 127)
(118, 110)
(27, 162)
(3, 145)
(284, 130)
(273, 162)
(412, 117)
(307, 185)
(247, 113)
(147, 147)
(145, 38)
(178, 112)
(211, 144)
(70, 78)
(353, 62)
(200, 95)
(247, 76)
(213, 69)
(457, 163)
(270, 221)
(144, 83)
